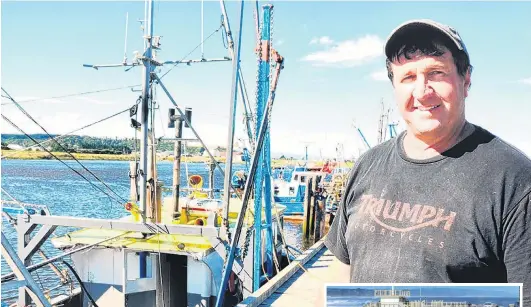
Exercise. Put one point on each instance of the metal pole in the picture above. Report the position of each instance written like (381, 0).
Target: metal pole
(187, 121)
(232, 119)
(133, 192)
(145, 106)
(363, 137)
(32, 268)
(257, 20)
(19, 268)
(125, 44)
(227, 28)
(202, 22)
(212, 168)
(266, 37)
(246, 194)
(177, 164)
(232, 52)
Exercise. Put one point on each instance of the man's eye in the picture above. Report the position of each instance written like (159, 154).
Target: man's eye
(436, 73)
(408, 78)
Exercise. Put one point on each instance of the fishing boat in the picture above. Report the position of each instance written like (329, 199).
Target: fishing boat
(291, 191)
(187, 249)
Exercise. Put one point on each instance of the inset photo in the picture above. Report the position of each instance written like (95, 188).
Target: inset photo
(423, 295)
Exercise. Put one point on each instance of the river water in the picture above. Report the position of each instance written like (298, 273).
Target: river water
(51, 183)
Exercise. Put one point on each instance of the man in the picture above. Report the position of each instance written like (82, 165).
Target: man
(446, 200)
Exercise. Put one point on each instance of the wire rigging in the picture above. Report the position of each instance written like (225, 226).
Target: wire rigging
(76, 130)
(53, 155)
(72, 95)
(174, 65)
(62, 147)
(115, 88)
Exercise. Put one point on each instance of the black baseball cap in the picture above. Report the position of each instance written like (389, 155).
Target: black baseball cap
(410, 27)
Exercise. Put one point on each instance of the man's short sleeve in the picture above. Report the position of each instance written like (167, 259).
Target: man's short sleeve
(335, 239)
(517, 246)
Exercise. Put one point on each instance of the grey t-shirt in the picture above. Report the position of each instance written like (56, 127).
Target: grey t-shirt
(464, 216)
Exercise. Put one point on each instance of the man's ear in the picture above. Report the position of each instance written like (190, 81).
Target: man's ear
(468, 82)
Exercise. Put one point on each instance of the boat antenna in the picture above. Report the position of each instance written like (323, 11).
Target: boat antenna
(202, 31)
(125, 44)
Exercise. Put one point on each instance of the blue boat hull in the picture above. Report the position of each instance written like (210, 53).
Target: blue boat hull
(292, 207)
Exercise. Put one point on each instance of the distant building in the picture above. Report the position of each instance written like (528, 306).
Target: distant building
(15, 147)
(236, 155)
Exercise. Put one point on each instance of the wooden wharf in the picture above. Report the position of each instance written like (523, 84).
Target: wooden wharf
(301, 283)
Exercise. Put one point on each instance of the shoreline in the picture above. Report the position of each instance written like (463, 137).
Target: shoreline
(41, 155)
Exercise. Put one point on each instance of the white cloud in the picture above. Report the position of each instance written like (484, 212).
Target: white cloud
(60, 122)
(323, 40)
(349, 52)
(380, 75)
(526, 81)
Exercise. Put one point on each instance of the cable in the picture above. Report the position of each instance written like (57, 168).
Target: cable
(70, 154)
(80, 282)
(221, 26)
(49, 152)
(108, 195)
(224, 35)
(112, 89)
(73, 95)
(68, 133)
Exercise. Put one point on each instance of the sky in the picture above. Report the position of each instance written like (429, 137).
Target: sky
(333, 78)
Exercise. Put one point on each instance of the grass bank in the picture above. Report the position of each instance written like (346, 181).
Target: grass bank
(41, 155)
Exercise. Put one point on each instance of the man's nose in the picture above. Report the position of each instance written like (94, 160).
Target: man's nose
(422, 89)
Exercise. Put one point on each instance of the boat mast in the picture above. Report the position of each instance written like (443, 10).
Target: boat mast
(234, 49)
(144, 115)
(263, 174)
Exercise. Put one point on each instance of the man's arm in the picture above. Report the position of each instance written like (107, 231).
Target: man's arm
(338, 270)
(517, 246)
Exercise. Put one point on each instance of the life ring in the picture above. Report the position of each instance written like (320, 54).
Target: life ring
(196, 181)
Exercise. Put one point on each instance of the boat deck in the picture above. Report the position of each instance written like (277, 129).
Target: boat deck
(165, 243)
(299, 284)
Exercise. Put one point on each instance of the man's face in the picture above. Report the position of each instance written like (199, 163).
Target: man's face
(430, 93)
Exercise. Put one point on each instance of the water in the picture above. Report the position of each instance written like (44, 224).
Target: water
(51, 183)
